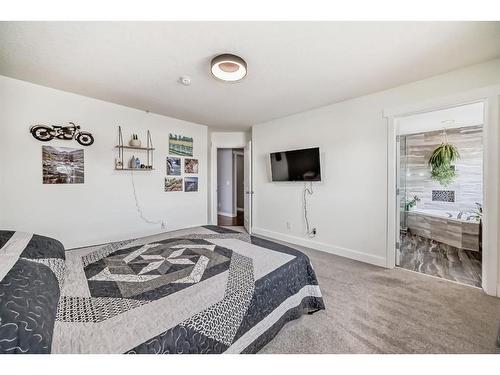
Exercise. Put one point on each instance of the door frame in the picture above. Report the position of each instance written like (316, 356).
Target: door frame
(490, 97)
(236, 155)
(221, 140)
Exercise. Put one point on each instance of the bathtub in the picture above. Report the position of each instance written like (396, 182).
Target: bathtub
(457, 229)
(452, 215)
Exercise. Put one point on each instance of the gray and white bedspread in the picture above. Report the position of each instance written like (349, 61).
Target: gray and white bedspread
(200, 290)
(31, 272)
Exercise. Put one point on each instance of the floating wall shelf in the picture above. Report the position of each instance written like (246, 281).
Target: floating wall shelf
(135, 148)
(121, 148)
(134, 169)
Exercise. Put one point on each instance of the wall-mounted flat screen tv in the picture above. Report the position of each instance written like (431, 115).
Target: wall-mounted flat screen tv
(296, 165)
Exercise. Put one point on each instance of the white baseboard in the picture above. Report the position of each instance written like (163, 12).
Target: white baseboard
(228, 214)
(316, 245)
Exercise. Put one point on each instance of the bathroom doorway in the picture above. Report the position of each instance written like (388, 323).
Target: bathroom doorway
(440, 193)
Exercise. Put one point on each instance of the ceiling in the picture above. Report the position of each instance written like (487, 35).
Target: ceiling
(292, 66)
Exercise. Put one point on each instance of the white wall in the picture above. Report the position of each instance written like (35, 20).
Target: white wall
(103, 208)
(349, 208)
(225, 181)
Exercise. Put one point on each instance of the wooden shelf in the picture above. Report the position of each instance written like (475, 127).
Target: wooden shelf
(136, 148)
(134, 169)
(121, 147)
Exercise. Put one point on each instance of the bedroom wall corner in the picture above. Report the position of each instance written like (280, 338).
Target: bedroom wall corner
(102, 209)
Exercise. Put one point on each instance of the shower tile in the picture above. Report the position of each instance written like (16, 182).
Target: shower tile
(443, 195)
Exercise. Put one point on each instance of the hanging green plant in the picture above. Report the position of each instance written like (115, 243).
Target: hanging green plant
(441, 162)
(444, 174)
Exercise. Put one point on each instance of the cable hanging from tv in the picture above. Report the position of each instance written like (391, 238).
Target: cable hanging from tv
(308, 191)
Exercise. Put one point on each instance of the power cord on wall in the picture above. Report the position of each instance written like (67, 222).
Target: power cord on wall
(308, 191)
(138, 207)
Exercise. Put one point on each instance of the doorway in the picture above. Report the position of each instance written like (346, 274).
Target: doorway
(440, 183)
(230, 187)
(241, 143)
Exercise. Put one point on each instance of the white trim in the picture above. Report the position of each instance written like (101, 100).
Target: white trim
(228, 214)
(235, 188)
(316, 245)
(490, 97)
(236, 155)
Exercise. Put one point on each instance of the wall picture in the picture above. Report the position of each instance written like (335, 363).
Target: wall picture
(62, 165)
(180, 145)
(173, 166)
(173, 184)
(190, 165)
(191, 184)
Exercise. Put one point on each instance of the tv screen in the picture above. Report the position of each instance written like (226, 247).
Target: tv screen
(296, 165)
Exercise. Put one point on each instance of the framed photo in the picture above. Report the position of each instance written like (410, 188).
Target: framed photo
(180, 145)
(173, 166)
(173, 184)
(190, 165)
(62, 165)
(190, 184)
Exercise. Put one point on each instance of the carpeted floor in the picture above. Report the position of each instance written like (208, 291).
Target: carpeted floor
(375, 310)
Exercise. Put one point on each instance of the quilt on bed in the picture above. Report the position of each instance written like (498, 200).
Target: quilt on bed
(201, 290)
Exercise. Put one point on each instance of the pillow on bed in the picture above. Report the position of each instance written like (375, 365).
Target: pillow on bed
(31, 275)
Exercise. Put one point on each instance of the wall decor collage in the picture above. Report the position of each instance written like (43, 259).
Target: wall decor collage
(180, 165)
(62, 165)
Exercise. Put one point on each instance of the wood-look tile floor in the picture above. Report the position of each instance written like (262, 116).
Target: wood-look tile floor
(438, 259)
(230, 221)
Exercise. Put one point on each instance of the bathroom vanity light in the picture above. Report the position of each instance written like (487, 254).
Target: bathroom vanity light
(228, 67)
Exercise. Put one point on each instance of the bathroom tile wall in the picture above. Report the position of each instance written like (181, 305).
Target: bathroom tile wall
(467, 187)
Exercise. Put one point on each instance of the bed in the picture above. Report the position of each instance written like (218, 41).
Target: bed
(200, 290)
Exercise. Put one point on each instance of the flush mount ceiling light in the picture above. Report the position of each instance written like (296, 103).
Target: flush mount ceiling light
(229, 68)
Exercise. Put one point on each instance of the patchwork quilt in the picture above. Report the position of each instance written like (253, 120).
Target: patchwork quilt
(200, 290)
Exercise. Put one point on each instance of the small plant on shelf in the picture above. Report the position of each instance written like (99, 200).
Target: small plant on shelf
(478, 211)
(410, 203)
(134, 141)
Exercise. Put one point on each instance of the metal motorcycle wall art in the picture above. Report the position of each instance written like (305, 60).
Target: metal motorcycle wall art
(46, 133)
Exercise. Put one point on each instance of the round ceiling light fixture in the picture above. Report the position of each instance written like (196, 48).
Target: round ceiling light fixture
(229, 68)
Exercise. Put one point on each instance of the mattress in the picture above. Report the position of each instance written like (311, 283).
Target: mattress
(200, 290)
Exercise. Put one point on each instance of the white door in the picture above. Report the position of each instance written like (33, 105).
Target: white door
(247, 182)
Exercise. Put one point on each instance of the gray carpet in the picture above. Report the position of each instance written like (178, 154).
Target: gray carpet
(375, 310)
